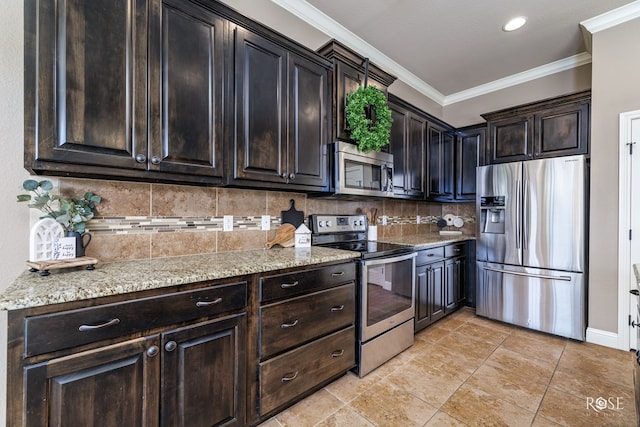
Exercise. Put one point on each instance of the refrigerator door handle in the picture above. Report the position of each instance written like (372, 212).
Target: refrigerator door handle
(518, 214)
(525, 214)
(537, 276)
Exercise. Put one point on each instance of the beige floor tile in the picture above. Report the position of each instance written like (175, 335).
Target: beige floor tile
(345, 417)
(351, 386)
(311, 410)
(519, 365)
(583, 363)
(388, 405)
(493, 324)
(574, 411)
(506, 386)
(540, 336)
(599, 351)
(541, 421)
(433, 333)
(451, 322)
(442, 419)
(586, 385)
(476, 407)
(529, 347)
(430, 382)
(439, 355)
(459, 343)
(271, 422)
(477, 332)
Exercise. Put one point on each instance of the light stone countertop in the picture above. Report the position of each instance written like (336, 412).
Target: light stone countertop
(113, 278)
(422, 241)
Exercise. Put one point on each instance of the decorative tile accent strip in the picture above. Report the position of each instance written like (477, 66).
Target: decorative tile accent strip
(166, 224)
(144, 224)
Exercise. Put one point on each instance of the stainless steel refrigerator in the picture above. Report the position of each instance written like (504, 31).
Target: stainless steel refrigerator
(531, 244)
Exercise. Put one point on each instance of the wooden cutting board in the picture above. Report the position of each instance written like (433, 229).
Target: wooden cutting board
(285, 237)
(292, 216)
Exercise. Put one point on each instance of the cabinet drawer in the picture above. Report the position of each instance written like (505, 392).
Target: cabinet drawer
(430, 255)
(459, 249)
(299, 283)
(292, 322)
(285, 377)
(66, 329)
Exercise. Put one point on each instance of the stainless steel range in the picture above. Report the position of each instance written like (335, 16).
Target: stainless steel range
(386, 273)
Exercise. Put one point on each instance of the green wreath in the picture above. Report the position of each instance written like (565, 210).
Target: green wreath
(370, 135)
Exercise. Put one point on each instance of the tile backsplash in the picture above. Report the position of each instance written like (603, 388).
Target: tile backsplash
(140, 221)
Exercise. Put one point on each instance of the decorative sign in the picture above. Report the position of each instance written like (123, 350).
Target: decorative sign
(64, 248)
(43, 235)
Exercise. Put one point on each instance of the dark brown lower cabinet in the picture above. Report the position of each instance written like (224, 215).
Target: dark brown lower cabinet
(191, 376)
(116, 385)
(441, 283)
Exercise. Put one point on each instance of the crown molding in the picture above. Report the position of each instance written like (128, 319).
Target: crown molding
(318, 19)
(519, 78)
(607, 20)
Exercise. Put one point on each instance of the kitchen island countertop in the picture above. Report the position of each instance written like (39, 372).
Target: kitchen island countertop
(113, 278)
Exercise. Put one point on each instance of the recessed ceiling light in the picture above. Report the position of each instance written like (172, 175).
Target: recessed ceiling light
(514, 23)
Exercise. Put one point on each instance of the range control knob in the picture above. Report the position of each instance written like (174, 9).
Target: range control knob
(328, 223)
(320, 224)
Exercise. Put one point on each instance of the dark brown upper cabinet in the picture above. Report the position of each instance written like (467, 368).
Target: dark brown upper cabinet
(348, 75)
(281, 130)
(407, 144)
(186, 79)
(85, 85)
(548, 128)
(440, 163)
(130, 88)
(468, 142)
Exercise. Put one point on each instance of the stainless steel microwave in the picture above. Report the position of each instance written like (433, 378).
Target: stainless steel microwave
(362, 174)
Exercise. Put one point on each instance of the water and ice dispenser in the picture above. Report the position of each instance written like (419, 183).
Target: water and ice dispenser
(492, 210)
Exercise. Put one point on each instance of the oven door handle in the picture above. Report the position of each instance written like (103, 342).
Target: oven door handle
(389, 259)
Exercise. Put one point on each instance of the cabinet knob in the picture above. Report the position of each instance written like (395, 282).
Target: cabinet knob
(153, 351)
(170, 346)
(284, 175)
(155, 160)
(292, 176)
(141, 158)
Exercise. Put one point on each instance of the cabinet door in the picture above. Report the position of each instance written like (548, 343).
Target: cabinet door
(260, 87)
(187, 77)
(461, 284)
(453, 278)
(440, 163)
(308, 129)
(397, 144)
(436, 282)
(510, 139)
(203, 374)
(347, 80)
(562, 130)
(467, 145)
(415, 156)
(86, 80)
(423, 314)
(117, 385)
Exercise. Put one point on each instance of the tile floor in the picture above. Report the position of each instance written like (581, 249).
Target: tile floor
(470, 371)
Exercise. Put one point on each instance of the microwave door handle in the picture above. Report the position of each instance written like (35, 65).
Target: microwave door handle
(387, 179)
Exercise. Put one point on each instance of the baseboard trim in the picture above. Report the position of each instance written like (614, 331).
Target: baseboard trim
(605, 338)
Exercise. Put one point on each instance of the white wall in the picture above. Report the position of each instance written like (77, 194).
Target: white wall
(14, 217)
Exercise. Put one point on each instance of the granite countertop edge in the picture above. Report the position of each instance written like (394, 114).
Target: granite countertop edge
(30, 289)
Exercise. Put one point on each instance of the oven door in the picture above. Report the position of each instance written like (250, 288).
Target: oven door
(387, 293)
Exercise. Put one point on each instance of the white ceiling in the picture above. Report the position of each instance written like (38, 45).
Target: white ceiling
(448, 49)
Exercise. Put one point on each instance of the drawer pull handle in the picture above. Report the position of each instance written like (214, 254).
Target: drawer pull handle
(338, 308)
(337, 274)
(289, 325)
(289, 377)
(207, 303)
(111, 322)
(289, 285)
(431, 254)
(338, 353)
